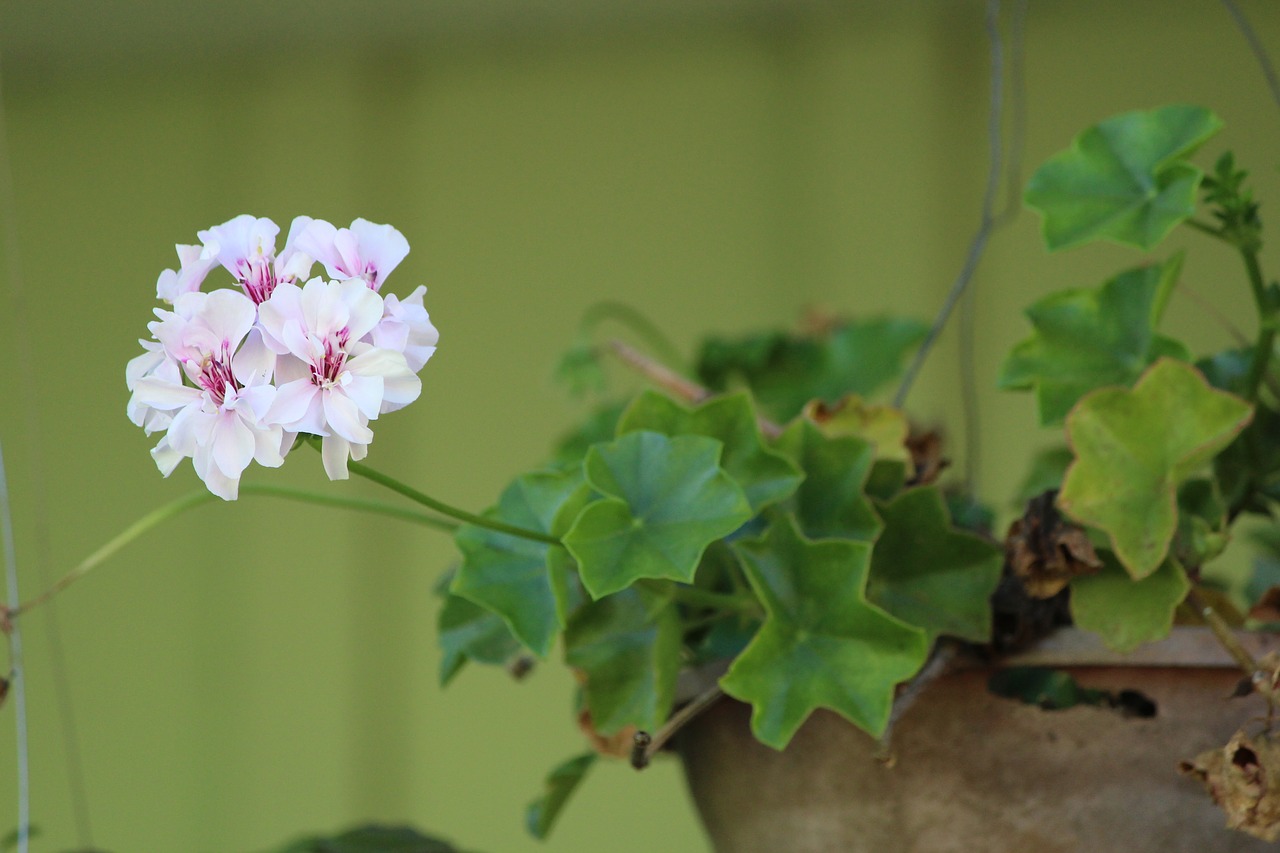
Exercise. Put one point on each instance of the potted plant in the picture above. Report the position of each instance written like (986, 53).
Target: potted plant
(757, 537)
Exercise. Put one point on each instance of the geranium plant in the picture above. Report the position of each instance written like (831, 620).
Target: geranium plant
(764, 517)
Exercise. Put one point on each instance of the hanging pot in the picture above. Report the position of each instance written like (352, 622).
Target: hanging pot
(972, 771)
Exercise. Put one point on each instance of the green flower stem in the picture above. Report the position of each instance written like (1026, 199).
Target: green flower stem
(123, 538)
(1248, 246)
(177, 507)
(444, 508)
(696, 597)
(1267, 334)
(340, 502)
(1258, 677)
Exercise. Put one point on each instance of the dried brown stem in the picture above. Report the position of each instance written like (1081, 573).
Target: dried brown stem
(672, 382)
(936, 666)
(647, 746)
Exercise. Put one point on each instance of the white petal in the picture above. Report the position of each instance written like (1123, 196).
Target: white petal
(294, 401)
(333, 450)
(366, 392)
(342, 415)
(382, 248)
(231, 443)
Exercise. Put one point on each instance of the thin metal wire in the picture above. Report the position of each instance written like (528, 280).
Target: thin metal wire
(1259, 51)
(979, 241)
(35, 495)
(17, 677)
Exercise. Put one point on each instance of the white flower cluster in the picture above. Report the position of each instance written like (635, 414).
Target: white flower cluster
(232, 376)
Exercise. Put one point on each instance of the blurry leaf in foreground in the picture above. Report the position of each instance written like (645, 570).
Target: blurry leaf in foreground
(541, 814)
(371, 839)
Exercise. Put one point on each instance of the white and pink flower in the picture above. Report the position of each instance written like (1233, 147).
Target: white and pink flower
(217, 415)
(231, 378)
(246, 247)
(366, 250)
(332, 382)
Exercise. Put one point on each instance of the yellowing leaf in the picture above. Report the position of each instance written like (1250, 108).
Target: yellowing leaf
(1134, 447)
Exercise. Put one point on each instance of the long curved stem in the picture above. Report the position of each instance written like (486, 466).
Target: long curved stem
(177, 507)
(447, 509)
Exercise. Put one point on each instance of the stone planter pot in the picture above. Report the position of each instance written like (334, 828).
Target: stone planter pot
(976, 772)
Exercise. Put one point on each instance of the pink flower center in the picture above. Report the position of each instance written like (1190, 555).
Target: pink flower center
(215, 375)
(326, 371)
(258, 277)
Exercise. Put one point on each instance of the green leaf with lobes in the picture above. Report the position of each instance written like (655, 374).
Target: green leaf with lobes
(765, 477)
(666, 499)
(1092, 337)
(467, 631)
(1134, 447)
(822, 644)
(512, 576)
(929, 574)
(830, 501)
(627, 647)
(1125, 612)
(786, 371)
(1125, 179)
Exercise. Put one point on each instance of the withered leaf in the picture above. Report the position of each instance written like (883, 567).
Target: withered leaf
(1268, 607)
(1239, 777)
(926, 455)
(1045, 551)
(617, 745)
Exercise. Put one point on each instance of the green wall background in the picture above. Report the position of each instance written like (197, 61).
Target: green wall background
(258, 669)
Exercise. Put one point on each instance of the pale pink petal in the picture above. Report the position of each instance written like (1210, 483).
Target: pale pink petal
(366, 392)
(229, 315)
(163, 394)
(364, 307)
(293, 404)
(382, 248)
(342, 415)
(255, 363)
(231, 443)
(316, 239)
(334, 452)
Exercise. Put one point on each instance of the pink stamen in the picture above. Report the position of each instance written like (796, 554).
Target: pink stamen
(257, 277)
(326, 372)
(216, 377)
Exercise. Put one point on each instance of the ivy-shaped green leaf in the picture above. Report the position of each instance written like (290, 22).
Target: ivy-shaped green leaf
(666, 500)
(1091, 337)
(822, 644)
(1124, 179)
(468, 631)
(1125, 612)
(627, 646)
(561, 782)
(928, 574)
(599, 426)
(765, 477)
(1248, 471)
(1134, 447)
(509, 575)
(786, 371)
(830, 501)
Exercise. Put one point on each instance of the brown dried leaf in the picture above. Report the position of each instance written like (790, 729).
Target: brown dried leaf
(1045, 551)
(1240, 777)
(926, 455)
(1268, 607)
(617, 745)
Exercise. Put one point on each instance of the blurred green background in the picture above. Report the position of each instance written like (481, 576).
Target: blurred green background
(259, 669)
